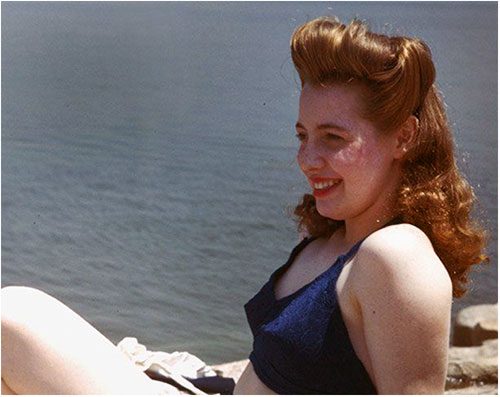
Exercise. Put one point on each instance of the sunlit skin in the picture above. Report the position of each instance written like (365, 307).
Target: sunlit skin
(337, 145)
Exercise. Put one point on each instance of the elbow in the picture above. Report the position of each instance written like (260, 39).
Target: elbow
(423, 388)
(429, 386)
(429, 379)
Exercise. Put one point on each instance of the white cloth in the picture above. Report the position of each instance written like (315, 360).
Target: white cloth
(176, 365)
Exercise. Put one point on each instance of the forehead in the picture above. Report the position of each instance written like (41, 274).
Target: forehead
(337, 102)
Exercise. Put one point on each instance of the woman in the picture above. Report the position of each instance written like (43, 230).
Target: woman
(363, 304)
(389, 210)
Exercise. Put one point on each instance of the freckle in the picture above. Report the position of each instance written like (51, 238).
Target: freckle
(373, 311)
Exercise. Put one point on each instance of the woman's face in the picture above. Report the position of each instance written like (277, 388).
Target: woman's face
(350, 166)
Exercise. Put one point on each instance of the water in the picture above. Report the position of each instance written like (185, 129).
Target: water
(148, 153)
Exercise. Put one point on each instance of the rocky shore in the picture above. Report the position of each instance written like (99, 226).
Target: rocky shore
(473, 356)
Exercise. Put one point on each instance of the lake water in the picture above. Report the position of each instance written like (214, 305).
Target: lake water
(148, 153)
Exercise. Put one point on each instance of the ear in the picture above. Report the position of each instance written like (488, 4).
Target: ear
(405, 136)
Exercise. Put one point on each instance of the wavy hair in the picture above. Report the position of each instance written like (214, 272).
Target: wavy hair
(399, 74)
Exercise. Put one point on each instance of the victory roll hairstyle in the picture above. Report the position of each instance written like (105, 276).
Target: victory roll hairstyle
(398, 74)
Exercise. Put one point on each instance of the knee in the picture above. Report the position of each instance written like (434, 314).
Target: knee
(17, 291)
(21, 296)
(20, 304)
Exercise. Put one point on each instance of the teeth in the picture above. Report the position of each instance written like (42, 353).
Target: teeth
(324, 185)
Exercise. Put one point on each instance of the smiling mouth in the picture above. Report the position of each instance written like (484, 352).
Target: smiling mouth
(324, 188)
(325, 185)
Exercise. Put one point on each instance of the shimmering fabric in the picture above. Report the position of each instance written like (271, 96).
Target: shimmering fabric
(301, 344)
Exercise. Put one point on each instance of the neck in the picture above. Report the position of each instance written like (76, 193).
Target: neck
(372, 219)
(357, 229)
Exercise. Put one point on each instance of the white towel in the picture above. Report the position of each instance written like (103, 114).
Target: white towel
(177, 365)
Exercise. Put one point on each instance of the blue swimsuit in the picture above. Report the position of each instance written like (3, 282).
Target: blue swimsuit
(301, 344)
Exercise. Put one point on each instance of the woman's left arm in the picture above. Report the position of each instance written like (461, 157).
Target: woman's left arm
(404, 294)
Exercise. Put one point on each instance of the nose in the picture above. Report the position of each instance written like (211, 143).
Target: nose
(310, 157)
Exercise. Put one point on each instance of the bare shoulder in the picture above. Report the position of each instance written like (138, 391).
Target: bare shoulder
(403, 294)
(397, 240)
(400, 258)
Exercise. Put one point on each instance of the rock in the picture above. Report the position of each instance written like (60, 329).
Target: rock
(475, 324)
(231, 370)
(473, 365)
(475, 390)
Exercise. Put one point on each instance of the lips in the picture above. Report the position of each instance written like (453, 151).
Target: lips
(324, 186)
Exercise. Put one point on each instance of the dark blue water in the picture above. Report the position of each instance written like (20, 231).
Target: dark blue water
(148, 153)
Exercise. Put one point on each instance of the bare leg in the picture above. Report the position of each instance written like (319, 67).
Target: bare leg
(49, 349)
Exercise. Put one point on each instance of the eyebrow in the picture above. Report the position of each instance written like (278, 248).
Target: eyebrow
(324, 126)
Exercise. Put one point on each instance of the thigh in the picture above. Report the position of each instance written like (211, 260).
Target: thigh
(49, 349)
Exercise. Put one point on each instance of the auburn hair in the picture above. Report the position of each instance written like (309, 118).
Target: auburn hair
(399, 74)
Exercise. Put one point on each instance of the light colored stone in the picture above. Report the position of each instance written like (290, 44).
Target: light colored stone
(475, 390)
(470, 365)
(231, 370)
(475, 324)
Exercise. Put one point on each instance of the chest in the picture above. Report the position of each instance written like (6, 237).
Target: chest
(302, 274)
(299, 327)
(307, 267)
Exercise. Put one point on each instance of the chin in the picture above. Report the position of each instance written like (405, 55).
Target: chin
(330, 213)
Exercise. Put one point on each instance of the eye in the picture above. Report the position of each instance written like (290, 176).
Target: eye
(334, 137)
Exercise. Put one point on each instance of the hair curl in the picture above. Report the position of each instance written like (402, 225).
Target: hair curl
(399, 74)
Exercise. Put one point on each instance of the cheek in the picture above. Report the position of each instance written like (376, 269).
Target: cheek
(361, 162)
(351, 157)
